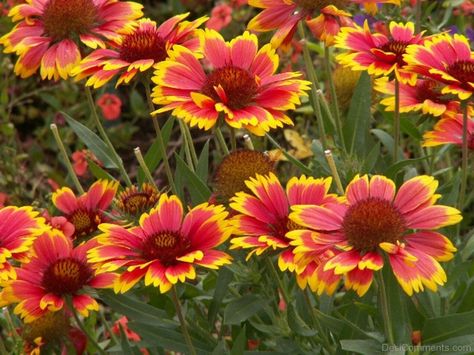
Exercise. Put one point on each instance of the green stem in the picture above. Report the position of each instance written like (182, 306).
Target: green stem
(277, 277)
(159, 137)
(465, 155)
(187, 151)
(317, 324)
(233, 139)
(105, 137)
(146, 171)
(314, 80)
(192, 149)
(69, 167)
(182, 321)
(396, 124)
(221, 140)
(109, 329)
(334, 173)
(383, 298)
(83, 328)
(334, 103)
(418, 16)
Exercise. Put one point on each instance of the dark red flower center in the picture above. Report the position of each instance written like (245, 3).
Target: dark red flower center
(85, 222)
(165, 246)
(66, 276)
(68, 18)
(238, 85)
(372, 221)
(285, 225)
(143, 44)
(463, 71)
(398, 48)
(426, 90)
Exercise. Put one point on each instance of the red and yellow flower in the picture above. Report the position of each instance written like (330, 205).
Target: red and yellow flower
(51, 32)
(241, 84)
(55, 272)
(370, 6)
(425, 96)
(263, 223)
(447, 59)
(86, 212)
(138, 50)
(19, 226)
(377, 53)
(449, 130)
(164, 248)
(375, 220)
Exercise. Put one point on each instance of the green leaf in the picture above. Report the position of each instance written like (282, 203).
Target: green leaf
(458, 345)
(239, 343)
(198, 189)
(387, 141)
(392, 170)
(357, 124)
(125, 344)
(442, 328)
(362, 346)
(290, 157)
(224, 278)
(153, 157)
(202, 168)
(297, 324)
(243, 308)
(93, 142)
(98, 172)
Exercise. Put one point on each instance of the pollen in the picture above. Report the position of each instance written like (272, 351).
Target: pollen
(237, 167)
(240, 87)
(396, 47)
(68, 18)
(66, 276)
(134, 201)
(165, 246)
(84, 222)
(143, 44)
(372, 221)
(462, 70)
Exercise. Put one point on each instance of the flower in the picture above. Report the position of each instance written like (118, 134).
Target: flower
(164, 248)
(51, 32)
(377, 53)
(284, 15)
(19, 226)
(55, 272)
(375, 220)
(134, 201)
(345, 82)
(424, 95)
(122, 322)
(221, 16)
(446, 59)
(448, 130)
(241, 85)
(110, 105)
(59, 223)
(80, 161)
(262, 222)
(86, 212)
(371, 5)
(138, 50)
(236, 168)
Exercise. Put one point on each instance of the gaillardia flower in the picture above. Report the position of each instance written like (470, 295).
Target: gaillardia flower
(19, 226)
(376, 220)
(240, 84)
(55, 272)
(86, 212)
(134, 201)
(377, 53)
(425, 96)
(448, 130)
(165, 246)
(138, 50)
(51, 31)
(263, 222)
(447, 59)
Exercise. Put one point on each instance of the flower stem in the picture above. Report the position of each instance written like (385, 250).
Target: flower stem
(187, 151)
(314, 80)
(62, 150)
(465, 155)
(159, 137)
(317, 324)
(396, 124)
(146, 171)
(383, 298)
(109, 329)
(182, 321)
(335, 174)
(221, 140)
(277, 277)
(105, 137)
(83, 328)
(418, 16)
(233, 139)
(189, 139)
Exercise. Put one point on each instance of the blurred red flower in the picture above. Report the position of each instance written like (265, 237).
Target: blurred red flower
(110, 105)
(221, 16)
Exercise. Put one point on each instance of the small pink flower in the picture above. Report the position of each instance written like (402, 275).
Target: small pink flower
(79, 161)
(110, 105)
(221, 16)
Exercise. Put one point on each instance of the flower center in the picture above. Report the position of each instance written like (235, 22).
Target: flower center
(398, 48)
(238, 85)
(134, 202)
(66, 18)
(84, 222)
(310, 5)
(66, 276)
(280, 229)
(426, 90)
(370, 222)
(463, 71)
(165, 246)
(143, 44)
(50, 327)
